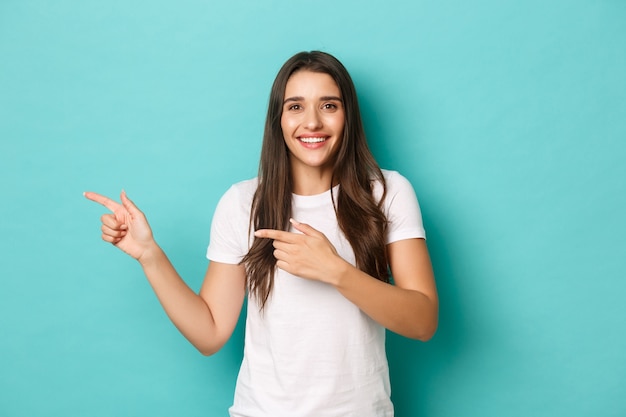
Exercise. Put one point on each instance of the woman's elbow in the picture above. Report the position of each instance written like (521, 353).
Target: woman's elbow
(425, 329)
(208, 348)
(204, 351)
(427, 332)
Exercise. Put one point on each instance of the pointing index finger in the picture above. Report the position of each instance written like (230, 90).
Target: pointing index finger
(275, 234)
(100, 199)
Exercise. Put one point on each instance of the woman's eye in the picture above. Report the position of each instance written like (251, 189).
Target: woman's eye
(295, 107)
(329, 106)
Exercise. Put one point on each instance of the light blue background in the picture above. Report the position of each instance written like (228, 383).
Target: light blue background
(507, 116)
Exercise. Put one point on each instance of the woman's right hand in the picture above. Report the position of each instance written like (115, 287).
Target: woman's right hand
(126, 227)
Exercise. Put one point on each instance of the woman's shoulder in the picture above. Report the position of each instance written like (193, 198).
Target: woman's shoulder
(392, 176)
(394, 182)
(246, 186)
(241, 192)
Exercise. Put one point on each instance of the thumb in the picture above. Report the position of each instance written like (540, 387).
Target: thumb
(129, 205)
(304, 228)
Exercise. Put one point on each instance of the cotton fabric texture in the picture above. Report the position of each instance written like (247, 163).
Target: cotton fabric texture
(311, 352)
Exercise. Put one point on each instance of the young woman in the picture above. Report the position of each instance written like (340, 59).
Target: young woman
(311, 242)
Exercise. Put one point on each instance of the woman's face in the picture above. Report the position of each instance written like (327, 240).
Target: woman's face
(312, 121)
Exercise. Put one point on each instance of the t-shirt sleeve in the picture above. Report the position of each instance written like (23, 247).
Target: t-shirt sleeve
(402, 209)
(229, 228)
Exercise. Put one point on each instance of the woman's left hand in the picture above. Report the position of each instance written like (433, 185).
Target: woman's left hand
(308, 254)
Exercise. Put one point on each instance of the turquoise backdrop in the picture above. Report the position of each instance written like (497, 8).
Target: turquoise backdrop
(509, 118)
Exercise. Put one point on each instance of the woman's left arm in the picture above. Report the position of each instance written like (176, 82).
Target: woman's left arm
(410, 307)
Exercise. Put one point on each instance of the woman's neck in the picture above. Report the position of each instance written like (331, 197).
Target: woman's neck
(312, 181)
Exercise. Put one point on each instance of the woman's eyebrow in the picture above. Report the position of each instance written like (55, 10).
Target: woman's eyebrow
(323, 98)
(297, 98)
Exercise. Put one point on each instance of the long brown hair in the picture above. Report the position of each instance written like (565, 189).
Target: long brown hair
(359, 215)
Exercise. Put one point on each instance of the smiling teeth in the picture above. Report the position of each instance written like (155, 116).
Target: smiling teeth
(312, 140)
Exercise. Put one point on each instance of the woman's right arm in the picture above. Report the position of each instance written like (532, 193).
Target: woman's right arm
(207, 319)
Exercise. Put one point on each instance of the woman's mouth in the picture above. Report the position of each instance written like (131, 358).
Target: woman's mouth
(312, 139)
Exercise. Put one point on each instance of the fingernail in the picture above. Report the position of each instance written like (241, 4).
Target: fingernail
(294, 221)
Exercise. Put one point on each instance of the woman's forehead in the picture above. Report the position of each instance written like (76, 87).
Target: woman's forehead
(309, 84)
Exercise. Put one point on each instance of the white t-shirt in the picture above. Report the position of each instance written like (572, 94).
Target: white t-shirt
(311, 352)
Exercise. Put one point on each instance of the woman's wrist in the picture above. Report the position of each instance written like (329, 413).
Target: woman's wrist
(341, 272)
(150, 255)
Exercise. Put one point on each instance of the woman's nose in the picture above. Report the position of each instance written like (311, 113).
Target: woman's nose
(313, 120)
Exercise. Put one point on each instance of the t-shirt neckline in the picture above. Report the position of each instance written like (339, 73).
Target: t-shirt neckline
(315, 200)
